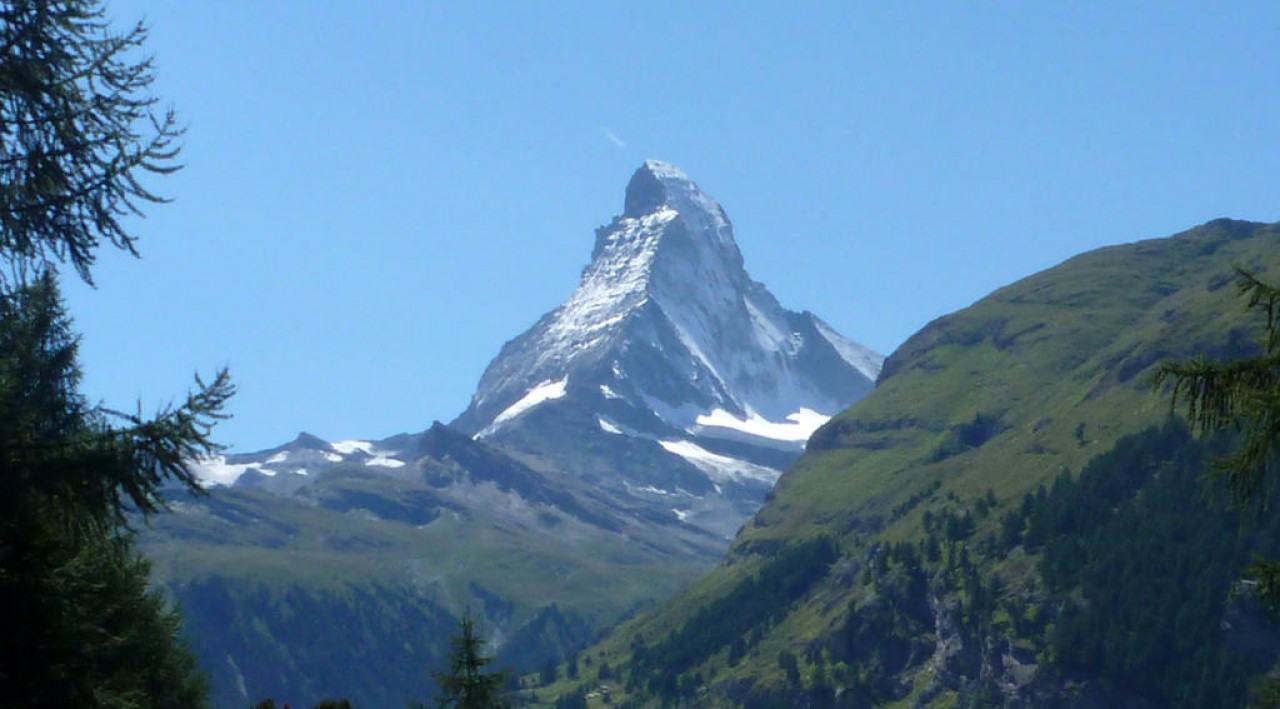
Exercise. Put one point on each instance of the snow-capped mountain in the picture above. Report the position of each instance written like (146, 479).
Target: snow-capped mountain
(670, 373)
(670, 381)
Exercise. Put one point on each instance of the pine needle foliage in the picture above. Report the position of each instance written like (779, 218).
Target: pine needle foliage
(1243, 394)
(79, 130)
(82, 627)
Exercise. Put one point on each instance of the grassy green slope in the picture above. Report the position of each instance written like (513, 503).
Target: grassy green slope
(1033, 380)
(260, 538)
(1071, 346)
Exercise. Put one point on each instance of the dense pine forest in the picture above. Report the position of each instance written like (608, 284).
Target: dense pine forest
(1141, 562)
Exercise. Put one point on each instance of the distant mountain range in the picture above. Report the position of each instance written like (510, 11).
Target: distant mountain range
(607, 458)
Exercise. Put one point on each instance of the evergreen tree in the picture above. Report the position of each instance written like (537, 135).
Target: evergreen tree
(78, 132)
(1244, 395)
(467, 685)
(82, 628)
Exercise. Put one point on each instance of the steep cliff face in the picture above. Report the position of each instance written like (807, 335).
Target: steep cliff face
(669, 355)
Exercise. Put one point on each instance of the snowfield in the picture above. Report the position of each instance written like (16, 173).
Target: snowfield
(540, 393)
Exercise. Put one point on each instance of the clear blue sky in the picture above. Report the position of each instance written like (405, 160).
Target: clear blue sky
(378, 195)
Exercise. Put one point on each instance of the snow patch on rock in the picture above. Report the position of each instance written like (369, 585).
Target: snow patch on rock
(217, 471)
(385, 461)
(540, 393)
(720, 468)
(351, 447)
(796, 428)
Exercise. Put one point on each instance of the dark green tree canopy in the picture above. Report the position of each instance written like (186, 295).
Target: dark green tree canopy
(82, 628)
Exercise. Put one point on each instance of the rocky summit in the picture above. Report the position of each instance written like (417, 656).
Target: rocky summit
(670, 375)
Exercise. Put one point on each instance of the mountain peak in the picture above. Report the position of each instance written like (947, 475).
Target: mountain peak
(307, 440)
(667, 321)
(657, 184)
(651, 186)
